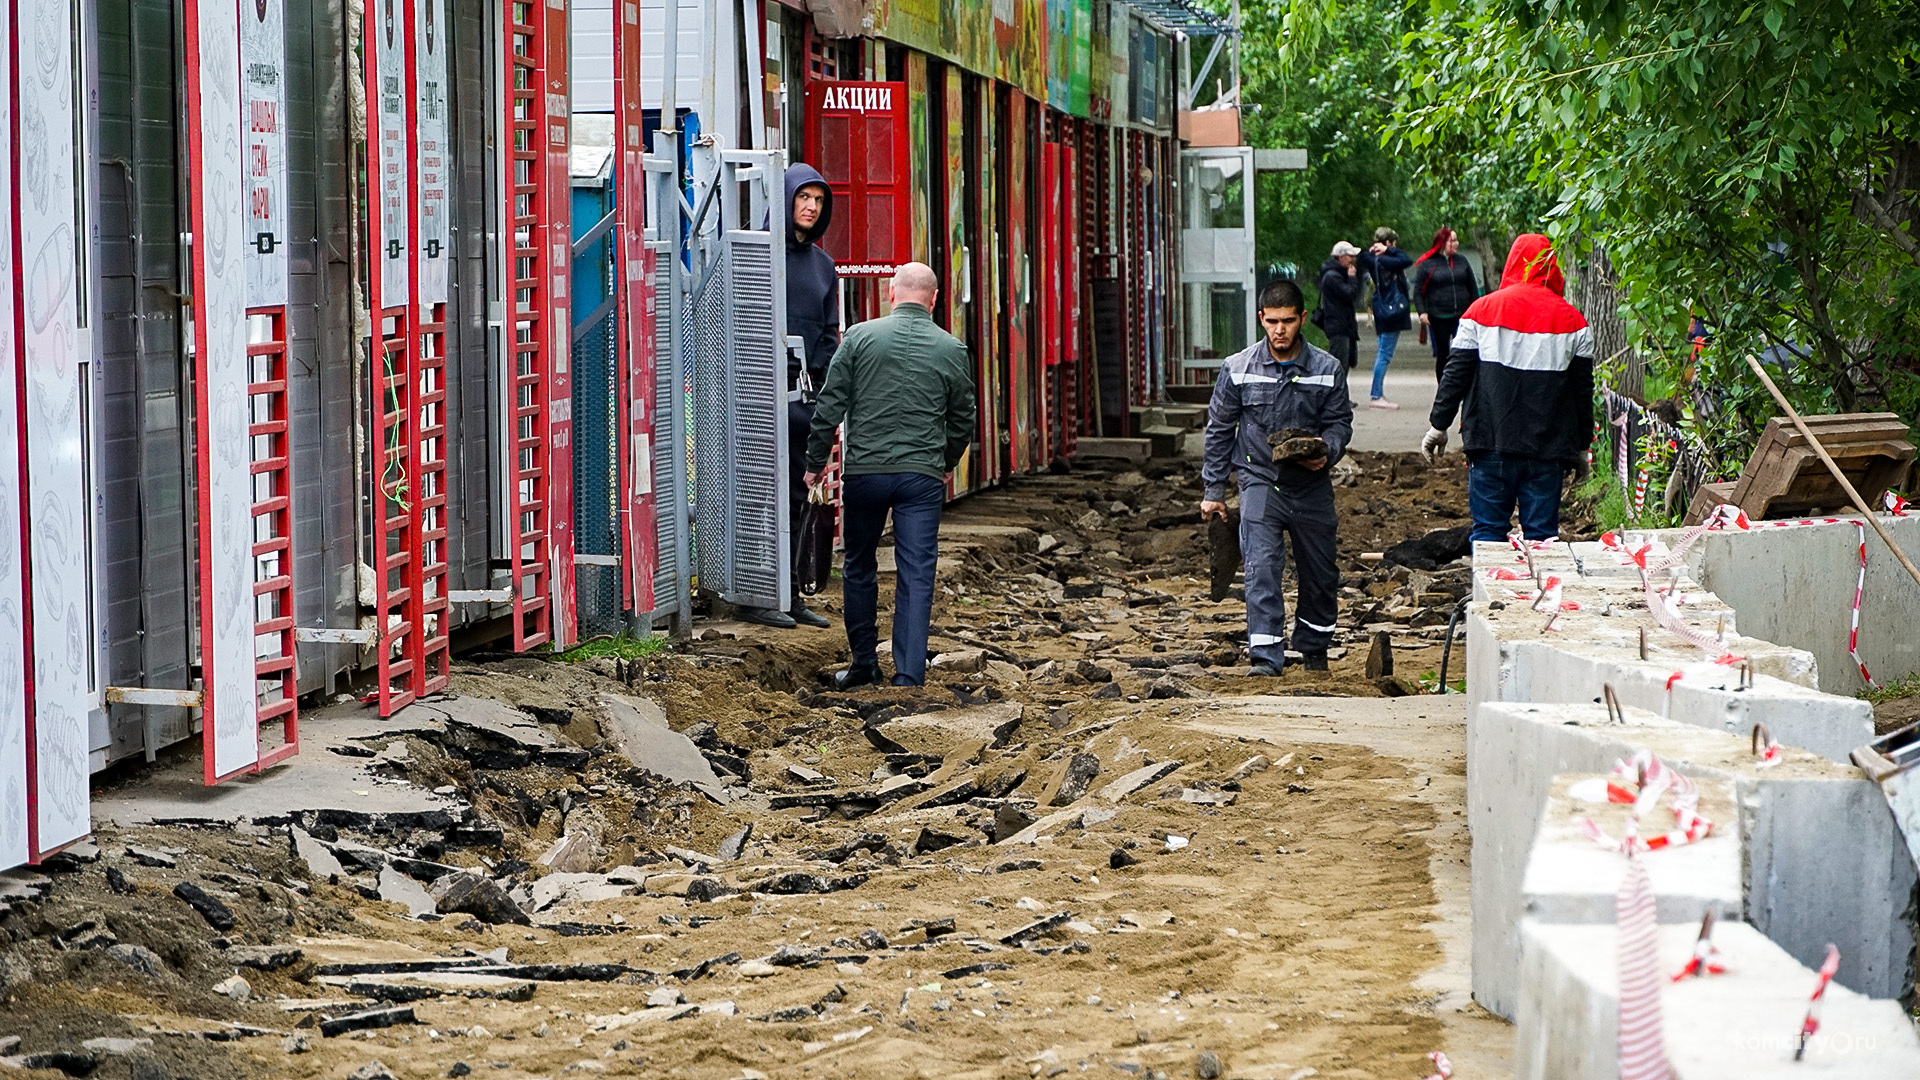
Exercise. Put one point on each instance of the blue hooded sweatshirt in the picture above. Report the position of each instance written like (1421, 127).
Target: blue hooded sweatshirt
(813, 301)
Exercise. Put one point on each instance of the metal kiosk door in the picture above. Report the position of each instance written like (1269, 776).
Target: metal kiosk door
(734, 337)
(1216, 254)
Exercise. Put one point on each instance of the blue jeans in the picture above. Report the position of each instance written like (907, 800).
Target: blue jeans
(1388, 342)
(1495, 483)
(915, 501)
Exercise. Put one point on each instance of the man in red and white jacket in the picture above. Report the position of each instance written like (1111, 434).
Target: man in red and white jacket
(1521, 376)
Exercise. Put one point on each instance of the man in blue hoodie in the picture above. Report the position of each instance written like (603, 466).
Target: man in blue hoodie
(813, 315)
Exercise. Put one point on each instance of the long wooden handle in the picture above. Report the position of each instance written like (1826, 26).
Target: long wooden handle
(1827, 460)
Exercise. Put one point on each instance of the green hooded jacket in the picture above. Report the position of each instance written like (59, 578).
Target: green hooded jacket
(904, 387)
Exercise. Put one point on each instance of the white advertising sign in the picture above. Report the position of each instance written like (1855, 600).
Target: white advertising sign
(263, 62)
(221, 271)
(389, 25)
(431, 149)
(58, 574)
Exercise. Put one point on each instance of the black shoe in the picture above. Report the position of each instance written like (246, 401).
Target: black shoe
(806, 616)
(1265, 671)
(1316, 661)
(857, 675)
(907, 680)
(779, 620)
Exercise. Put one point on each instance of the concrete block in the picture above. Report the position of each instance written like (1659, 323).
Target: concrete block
(1744, 1023)
(1134, 450)
(1795, 586)
(1510, 659)
(1822, 860)
(1571, 879)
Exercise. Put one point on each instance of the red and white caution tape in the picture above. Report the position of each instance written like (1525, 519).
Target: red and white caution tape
(1549, 598)
(1643, 1051)
(1706, 959)
(1859, 586)
(1711, 644)
(1765, 748)
(1896, 505)
(1641, 783)
(1811, 1025)
(1442, 1068)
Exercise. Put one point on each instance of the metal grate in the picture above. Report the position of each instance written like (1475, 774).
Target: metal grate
(707, 328)
(670, 439)
(596, 472)
(759, 535)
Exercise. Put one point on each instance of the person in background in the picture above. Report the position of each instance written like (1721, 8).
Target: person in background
(813, 315)
(1386, 266)
(1339, 287)
(1281, 386)
(904, 387)
(1520, 373)
(1443, 286)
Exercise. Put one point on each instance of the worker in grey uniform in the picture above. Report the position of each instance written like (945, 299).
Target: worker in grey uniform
(1279, 419)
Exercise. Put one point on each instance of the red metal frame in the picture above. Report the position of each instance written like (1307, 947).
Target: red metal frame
(396, 549)
(1051, 270)
(564, 624)
(430, 653)
(276, 673)
(634, 324)
(433, 653)
(530, 338)
(1073, 355)
(1020, 275)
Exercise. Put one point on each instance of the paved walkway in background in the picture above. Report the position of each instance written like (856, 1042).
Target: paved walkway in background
(1410, 384)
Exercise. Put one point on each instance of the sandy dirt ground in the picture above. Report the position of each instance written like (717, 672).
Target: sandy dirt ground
(1091, 845)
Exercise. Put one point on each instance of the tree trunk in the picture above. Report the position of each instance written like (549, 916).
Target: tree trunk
(1598, 297)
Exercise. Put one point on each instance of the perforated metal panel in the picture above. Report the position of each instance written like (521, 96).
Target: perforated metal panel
(740, 425)
(761, 571)
(713, 423)
(670, 448)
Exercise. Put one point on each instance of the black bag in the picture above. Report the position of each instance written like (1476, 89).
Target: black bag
(1319, 317)
(1223, 555)
(814, 563)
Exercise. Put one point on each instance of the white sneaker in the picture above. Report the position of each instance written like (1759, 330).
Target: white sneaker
(1381, 403)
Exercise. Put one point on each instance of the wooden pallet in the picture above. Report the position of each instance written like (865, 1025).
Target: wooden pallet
(1785, 478)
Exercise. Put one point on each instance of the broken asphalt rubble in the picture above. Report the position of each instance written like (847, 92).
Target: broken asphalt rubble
(580, 824)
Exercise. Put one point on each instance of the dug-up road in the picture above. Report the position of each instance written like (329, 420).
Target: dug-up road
(1091, 845)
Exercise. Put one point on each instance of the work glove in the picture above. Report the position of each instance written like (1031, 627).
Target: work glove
(1434, 444)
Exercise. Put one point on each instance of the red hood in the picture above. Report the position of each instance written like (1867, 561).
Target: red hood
(1531, 262)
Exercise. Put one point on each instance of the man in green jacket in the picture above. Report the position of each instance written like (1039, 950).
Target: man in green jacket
(904, 388)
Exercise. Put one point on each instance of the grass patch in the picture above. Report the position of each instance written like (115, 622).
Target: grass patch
(623, 646)
(1903, 687)
(1602, 489)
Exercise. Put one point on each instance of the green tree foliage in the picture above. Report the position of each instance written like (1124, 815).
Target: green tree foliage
(1321, 76)
(1753, 162)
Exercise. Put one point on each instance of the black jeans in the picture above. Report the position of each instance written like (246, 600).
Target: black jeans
(1440, 334)
(1344, 348)
(916, 501)
(799, 423)
(1497, 483)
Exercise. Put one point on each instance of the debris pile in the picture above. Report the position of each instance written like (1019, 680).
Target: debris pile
(629, 862)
